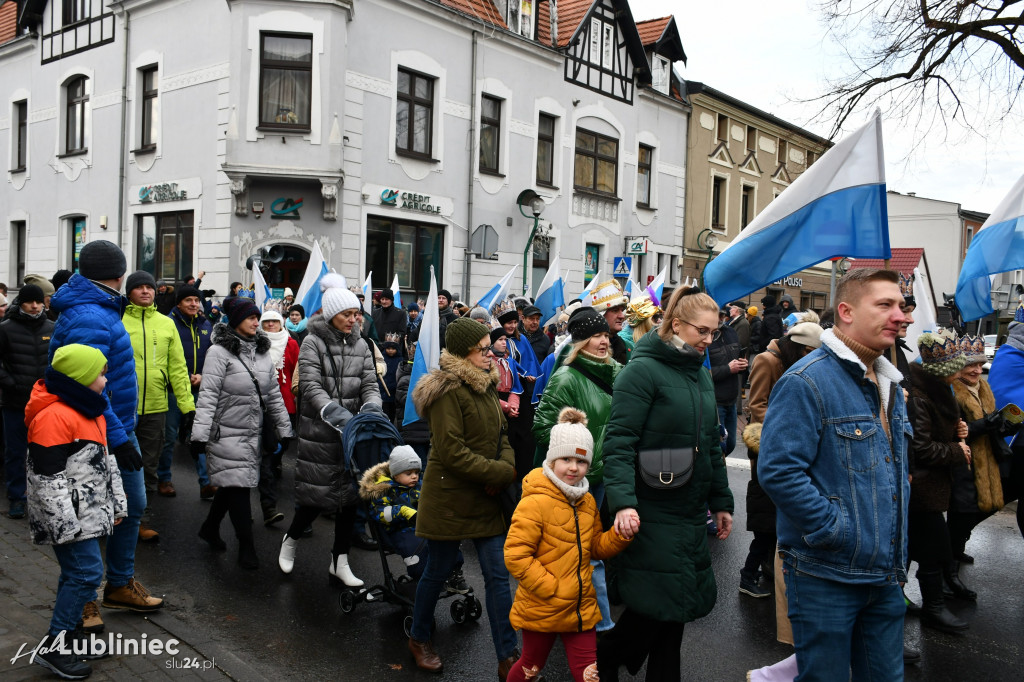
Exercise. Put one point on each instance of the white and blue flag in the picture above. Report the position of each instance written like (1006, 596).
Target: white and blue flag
(428, 350)
(589, 287)
(309, 294)
(368, 293)
(498, 292)
(837, 207)
(398, 294)
(656, 289)
(997, 247)
(261, 292)
(550, 296)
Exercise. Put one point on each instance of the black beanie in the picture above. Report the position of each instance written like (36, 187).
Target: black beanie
(447, 294)
(101, 260)
(186, 291)
(768, 301)
(137, 279)
(388, 294)
(497, 333)
(238, 309)
(60, 278)
(31, 293)
(298, 306)
(585, 322)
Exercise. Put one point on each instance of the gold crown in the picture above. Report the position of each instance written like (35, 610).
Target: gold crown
(502, 307)
(392, 337)
(972, 346)
(607, 295)
(640, 309)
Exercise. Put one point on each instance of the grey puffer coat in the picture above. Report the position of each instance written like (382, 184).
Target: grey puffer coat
(321, 480)
(228, 413)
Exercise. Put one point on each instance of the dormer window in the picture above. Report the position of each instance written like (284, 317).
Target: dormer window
(520, 17)
(660, 70)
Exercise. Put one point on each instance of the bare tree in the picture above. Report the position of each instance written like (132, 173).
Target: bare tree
(929, 60)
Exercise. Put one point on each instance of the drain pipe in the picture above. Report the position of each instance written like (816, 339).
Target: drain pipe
(468, 264)
(124, 117)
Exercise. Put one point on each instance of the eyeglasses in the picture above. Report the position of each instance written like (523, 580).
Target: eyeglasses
(704, 332)
(484, 350)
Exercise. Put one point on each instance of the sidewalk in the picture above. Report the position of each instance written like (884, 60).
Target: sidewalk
(28, 583)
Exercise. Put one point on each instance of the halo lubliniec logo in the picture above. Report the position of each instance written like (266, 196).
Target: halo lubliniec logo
(114, 644)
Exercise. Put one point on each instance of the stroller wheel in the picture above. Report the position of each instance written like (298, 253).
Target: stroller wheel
(475, 609)
(459, 611)
(347, 601)
(407, 626)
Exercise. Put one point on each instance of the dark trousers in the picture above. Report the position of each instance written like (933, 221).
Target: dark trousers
(233, 502)
(762, 548)
(928, 540)
(960, 526)
(15, 439)
(149, 429)
(344, 523)
(636, 638)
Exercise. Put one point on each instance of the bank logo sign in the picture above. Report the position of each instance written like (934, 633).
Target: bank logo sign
(167, 191)
(286, 207)
(409, 200)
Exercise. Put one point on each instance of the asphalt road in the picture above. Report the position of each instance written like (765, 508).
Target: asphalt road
(292, 626)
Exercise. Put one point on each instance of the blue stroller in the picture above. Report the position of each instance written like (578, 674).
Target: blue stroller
(368, 440)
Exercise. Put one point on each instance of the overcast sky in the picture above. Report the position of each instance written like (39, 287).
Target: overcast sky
(771, 53)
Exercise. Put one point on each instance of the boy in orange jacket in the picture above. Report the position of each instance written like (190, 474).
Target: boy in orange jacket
(555, 532)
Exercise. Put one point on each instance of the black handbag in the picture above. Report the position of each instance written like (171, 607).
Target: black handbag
(669, 468)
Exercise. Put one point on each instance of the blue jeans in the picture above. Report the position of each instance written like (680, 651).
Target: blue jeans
(841, 628)
(15, 452)
(121, 544)
(599, 580)
(727, 418)
(81, 571)
(171, 425)
(442, 557)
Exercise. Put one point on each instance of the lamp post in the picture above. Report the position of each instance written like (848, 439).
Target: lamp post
(707, 240)
(839, 267)
(528, 199)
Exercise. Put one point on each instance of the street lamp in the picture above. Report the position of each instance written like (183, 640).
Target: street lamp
(840, 265)
(531, 201)
(706, 240)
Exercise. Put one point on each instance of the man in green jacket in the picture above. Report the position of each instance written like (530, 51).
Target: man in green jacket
(159, 364)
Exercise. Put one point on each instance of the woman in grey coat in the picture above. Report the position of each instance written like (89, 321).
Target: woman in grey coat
(238, 397)
(336, 379)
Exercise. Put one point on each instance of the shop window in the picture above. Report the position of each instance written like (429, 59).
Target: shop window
(644, 161)
(407, 249)
(165, 244)
(490, 133)
(286, 80)
(414, 121)
(77, 99)
(546, 150)
(597, 162)
(21, 135)
(150, 108)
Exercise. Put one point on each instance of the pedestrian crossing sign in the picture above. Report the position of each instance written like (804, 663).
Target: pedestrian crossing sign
(622, 266)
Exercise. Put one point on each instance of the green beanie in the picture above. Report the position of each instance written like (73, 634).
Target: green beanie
(462, 335)
(78, 362)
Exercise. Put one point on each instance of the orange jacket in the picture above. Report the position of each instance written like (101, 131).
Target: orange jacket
(548, 550)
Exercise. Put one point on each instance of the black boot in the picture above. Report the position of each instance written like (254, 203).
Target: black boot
(934, 613)
(247, 554)
(64, 665)
(210, 532)
(910, 656)
(952, 575)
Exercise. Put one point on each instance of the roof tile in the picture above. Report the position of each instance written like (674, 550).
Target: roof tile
(570, 14)
(481, 9)
(903, 260)
(8, 21)
(652, 29)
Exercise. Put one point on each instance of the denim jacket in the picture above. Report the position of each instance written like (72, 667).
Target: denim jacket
(840, 486)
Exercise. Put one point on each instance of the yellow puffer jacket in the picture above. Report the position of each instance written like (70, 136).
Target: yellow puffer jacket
(548, 550)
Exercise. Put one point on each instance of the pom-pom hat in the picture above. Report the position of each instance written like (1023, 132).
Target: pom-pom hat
(570, 437)
(586, 322)
(336, 295)
(239, 309)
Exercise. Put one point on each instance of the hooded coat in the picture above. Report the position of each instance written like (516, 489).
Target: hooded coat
(24, 346)
(333, 367)
(229, 416)
(469, 451)
(386, 497)
(548, 551)
(666, 572)
(935, 449)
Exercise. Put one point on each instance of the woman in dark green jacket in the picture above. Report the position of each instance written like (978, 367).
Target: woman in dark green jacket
(665, 577)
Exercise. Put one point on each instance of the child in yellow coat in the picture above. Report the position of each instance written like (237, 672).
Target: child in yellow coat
(555, 532)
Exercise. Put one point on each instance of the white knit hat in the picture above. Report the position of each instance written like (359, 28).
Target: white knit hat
(336, 296)
(271, 315)
(570, 437)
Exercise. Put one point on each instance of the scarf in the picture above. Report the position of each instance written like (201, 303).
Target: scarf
(606, 359)
(278, 343)
(573, 493)
(297, 328)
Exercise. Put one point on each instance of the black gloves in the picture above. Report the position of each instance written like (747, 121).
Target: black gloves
(128, 458)
(197, 447)
(185, 427)
(335, 415)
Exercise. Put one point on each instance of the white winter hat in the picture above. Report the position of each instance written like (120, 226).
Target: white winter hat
(271, 316)
(570, 437)
(336, 296)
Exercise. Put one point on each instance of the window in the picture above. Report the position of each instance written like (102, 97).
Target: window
(597, 162)
(723, 128)
(643, 175)
(810, 158)
(970, 236)
(77, 98)
(165, 244)
(19, 236)
(76, 240)
(415, 115)
(21, 139)
(608, 45)
(718, 203)
(490, 133)
(595, 41)
(751, 139)
(150, 108)
(746, 206)
(75, 11)
(546, 150)
(286, 80)
(406, 249)
(813, 300)
(660, 74)
(783, 151)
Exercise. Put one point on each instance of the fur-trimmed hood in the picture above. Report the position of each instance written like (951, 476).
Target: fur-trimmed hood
(225, 337)
(376, 482)
(452, 373)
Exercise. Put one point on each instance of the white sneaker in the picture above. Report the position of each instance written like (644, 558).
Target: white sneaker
(286, 559)
(339, 569)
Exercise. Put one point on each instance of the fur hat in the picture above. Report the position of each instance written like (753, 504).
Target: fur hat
(101, 260)
(31, 293)
(941, 356)
(585, 322)
(238, 309)
(570, 437)
(807, 334)
(973, 348)
(462, 335)
(137, 279)
(336, 295)
(80, 363)
(403, 458)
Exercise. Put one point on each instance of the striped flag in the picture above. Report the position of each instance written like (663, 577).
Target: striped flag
(398, 294)
(368, 294)
(498, 292)
(308, 294)
(550, 298)
(428, 350)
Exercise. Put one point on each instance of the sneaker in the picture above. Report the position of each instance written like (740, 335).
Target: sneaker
(88, 647)
(752, 588)
(166, 489)
(91, 620)
(147, 534)
(132, 596)
(17, 510)
(456, 583)
(66, 666)
(207, 492)
(272, 516)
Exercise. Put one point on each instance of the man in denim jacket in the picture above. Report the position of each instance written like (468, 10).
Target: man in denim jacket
(834, 460)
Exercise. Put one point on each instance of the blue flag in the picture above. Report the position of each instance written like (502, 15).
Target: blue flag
(428, 350)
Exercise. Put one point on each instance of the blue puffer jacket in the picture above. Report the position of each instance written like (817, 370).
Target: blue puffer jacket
(839, 484)
(91, 315)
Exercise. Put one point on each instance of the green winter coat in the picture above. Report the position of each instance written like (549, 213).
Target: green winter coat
(569, 388)
(460, 403)
(665, 573)
(159, 360)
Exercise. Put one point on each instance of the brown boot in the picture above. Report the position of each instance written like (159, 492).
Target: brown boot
(207, 492)
(147, 534)
(132, 596)
(91, 620)
(505, 666)
(166, 489)
(426, 658)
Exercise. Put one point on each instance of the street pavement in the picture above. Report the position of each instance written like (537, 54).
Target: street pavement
(252, 625)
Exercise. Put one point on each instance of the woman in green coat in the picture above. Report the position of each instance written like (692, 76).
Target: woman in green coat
(584, 381)
(664, 398)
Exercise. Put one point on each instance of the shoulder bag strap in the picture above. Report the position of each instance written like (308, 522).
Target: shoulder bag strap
(600, 383)
(256, 384)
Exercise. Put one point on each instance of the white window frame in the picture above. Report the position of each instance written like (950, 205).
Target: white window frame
(661, 70)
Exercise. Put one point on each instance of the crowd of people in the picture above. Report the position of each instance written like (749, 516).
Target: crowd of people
(585, 459)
